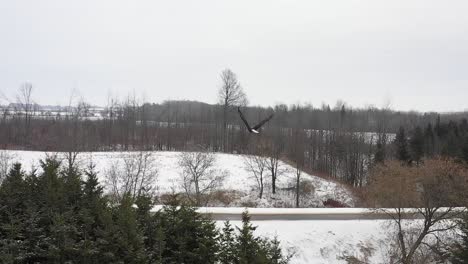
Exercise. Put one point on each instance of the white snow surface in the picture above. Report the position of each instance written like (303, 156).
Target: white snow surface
(325, 241)
(169, 171)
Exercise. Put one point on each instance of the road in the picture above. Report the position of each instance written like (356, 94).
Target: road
(266, 214)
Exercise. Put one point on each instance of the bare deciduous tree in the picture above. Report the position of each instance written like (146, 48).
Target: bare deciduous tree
(298, 149)
(298, 183)
(199, 175)
(26, 106)
(257, 166)
(273, 163)
(6, 162)
(432, 192)
(230, 94)
(134, 174)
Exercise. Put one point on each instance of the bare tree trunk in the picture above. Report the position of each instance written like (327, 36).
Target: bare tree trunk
(256, 165)
(225, 108)
(298, 185)
(273, 180)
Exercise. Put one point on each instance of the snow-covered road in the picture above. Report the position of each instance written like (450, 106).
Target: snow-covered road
(225, 213)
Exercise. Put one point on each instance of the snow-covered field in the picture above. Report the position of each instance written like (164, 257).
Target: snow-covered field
(327, 241)
(237, 177)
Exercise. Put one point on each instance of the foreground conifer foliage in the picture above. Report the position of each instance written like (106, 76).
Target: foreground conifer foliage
(55, 217)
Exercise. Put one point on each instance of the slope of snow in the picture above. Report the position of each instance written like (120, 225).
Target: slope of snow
(169, 179)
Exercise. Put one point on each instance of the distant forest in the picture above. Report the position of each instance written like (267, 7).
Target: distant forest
(339, 142)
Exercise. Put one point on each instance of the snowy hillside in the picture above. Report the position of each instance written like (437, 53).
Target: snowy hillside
(237, 177)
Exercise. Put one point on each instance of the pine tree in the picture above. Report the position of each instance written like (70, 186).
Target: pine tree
(96, 221)
(464, 149)
(154, 237)
(13, 189)
(275, 252)
(429, 141)
(439, 128)
(72, 185)
(464, 140)
(460, 251)
(128, 246)
(401, 143)
(248, 244)
(36, 231)
(189, 236)
(57, 214)
(256, 250)
(50, 219)
(379, 156)
(12, 204)
(92, 191)
(50, 187)
(451, 147)
(228, 252)
(417, 145)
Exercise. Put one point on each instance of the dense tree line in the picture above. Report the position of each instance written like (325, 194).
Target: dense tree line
(339, 142)
(53, 216)
(448, 139)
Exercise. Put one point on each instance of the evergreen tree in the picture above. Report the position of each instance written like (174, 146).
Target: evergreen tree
(417, 145)
(151, 226)
(35, 231)
(13, 190)
(379, 156)
(275, 252)
(96, 221)
(429, 141)
(464, 149)
(50, 218)
(228, 251)
(439, 129)
(401, 143)
(12, 204)
(460, 251)
(50, 187)
(256, 250)
(127, 236)
(56, 214)
(72, 185)
(248, 244)
(92, 191)
(189, 236)
(451, 146)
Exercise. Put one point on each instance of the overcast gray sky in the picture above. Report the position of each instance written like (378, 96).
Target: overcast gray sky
(414, 53)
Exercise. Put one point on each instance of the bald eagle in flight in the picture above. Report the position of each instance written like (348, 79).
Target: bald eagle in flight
(256, 128)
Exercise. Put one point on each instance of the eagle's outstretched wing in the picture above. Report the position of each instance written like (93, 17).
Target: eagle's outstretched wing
(243, 119)
(263, 122)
